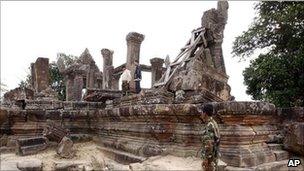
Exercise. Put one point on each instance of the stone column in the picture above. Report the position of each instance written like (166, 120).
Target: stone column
(90, 78)
(156, 69)
(115, 82)
(41, 74)
(134, 41)
(107, 68)
(77, 88)
(69, 88)
(33, 79)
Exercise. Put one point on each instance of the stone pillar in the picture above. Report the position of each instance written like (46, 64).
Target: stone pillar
(134, 41)
(156, 69)
(69, 88)
(33, 79)
(41, 74)
(90, 79)
(107, 68)
(77, 87)
(115, 82)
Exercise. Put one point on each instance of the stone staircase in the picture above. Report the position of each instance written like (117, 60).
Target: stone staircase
(282, 157)
(278, 151)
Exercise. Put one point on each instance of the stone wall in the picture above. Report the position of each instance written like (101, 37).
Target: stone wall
(152, 129)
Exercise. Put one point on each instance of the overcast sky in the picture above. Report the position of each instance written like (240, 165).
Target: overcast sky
(42, 29)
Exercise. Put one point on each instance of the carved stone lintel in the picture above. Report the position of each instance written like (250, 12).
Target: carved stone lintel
(107, 57)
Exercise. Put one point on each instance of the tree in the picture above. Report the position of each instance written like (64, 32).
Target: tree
(25, 83)
(276, 75)
(57, 81)
(56, 78)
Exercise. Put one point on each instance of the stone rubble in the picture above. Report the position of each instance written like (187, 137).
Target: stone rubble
(65, 148)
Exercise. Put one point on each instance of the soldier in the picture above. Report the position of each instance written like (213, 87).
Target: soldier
(137, 77)
(210, 140)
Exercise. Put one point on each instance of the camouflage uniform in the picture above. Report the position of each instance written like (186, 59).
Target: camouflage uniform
(210, 146)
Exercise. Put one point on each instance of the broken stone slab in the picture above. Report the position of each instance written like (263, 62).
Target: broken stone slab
(30, 165)
(65, 148)
(32, 145)
(54, 132)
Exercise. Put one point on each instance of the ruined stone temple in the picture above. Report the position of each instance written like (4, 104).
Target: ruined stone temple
(160, 121)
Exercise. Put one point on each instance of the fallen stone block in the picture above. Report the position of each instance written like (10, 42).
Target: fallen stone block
(30, 165)
(33, 145)
(65, 148)
(54, 132)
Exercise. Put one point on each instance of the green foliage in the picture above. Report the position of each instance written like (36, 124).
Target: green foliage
(25, 83)
(278, 75)
(56, 78)
(57, 81)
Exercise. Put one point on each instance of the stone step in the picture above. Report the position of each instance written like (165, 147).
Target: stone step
(31, 145)
(120, 156)
(281, 155)
(273, 146)
(6, 149)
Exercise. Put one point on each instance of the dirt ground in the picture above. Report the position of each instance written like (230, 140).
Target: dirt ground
(89, 157)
